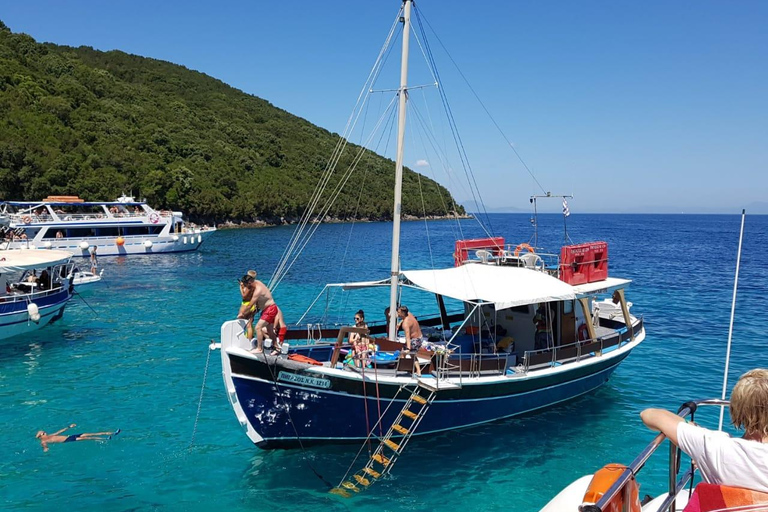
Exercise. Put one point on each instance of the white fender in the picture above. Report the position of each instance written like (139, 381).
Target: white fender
(34, 312)
(185, 239)
(84, 245)
(47, 245)
(175, 238)
(147, 243)
(199, 239)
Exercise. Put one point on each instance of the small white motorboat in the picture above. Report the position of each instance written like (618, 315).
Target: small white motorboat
(83, 277)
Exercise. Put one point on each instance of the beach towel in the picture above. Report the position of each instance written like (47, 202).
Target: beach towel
(717, 498)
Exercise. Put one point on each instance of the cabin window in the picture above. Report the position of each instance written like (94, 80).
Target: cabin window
(107, 231)
(525, 310)
(567, 307)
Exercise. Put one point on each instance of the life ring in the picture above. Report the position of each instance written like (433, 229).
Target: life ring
(154, 218)
(603, 480)
(523, 246)
(304, 359)
(26, 219)
(583, 332)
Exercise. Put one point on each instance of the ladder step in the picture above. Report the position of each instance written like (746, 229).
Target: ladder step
(372, 472)
(392, 444)
(341, 492)
(400, 429)
(350, 486)
(409, 414)
(418, 398)
(362, 480)
(381, 459)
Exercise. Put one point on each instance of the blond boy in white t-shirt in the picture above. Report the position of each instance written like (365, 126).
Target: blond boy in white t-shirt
(735, 462)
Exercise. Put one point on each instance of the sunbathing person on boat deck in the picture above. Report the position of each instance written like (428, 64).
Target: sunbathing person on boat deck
(723, 460)
(260, 300)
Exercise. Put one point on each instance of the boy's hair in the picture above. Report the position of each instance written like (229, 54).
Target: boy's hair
(749, 402)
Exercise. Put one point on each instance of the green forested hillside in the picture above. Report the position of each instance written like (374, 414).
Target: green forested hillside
(97, 124)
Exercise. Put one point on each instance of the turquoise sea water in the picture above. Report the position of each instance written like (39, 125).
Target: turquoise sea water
(138, 363)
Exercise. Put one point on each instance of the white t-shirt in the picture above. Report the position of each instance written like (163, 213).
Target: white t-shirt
(726, 460)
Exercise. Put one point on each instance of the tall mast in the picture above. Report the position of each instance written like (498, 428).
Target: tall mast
(395, 268)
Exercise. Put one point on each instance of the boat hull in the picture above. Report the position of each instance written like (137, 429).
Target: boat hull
(107, 246)
(15, 320)
(280, 407)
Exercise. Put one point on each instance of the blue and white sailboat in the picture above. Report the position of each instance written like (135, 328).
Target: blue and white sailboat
(479, 366)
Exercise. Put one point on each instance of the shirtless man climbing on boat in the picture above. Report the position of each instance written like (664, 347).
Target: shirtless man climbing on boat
(261, 300)
(56, 437)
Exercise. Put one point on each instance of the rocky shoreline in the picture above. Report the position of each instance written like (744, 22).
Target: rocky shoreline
(269, 223)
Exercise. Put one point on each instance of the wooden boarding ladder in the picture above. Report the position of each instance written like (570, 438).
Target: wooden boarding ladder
(389, 449)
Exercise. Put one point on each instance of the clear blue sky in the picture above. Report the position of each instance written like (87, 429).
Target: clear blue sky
(631, 106)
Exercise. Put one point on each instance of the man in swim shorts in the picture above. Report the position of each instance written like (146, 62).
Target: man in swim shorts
(262, 300)
(46, 439)
(246, 292)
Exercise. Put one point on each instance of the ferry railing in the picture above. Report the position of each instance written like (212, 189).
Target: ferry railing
(675, 484)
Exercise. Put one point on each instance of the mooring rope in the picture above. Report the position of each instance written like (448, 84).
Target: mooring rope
(202, 391)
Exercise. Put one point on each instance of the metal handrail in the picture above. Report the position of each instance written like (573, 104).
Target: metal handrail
(636, 465)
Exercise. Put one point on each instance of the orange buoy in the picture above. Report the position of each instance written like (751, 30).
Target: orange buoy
(120, 241)
(521, 247)
(603, 480)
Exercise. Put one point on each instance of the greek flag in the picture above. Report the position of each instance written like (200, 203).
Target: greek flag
(566, 211)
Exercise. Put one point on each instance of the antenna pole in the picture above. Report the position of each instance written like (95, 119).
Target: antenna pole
(730, 327)
(395, 268)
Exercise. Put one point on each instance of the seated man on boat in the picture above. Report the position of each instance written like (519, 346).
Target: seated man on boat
(723, 460)
(261, 299)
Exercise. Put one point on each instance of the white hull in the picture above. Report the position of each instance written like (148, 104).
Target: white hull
(107, 246)
(569, 499)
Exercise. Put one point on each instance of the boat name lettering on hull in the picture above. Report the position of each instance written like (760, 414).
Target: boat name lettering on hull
(304, 380)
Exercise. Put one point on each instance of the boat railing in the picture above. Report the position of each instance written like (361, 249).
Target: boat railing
(30, 296)
(675, 484)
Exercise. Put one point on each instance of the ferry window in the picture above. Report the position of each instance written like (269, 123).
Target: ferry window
(155, 230)
(79, 232)
(567, 307)
(106, 232)
(520, 309)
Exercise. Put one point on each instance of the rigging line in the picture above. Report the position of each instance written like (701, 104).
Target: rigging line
(432, 130)
(357, 456)
(341, 143)
(454, 128)
(433, 143)
(733, 312)
(293, 425)
(477, 97)
(331, 201)
(334, 195)
(341, 267)
(299, 235)
(442, 158)
(423, 205)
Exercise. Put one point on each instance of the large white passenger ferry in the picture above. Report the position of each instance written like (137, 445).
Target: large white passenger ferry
(121, 227)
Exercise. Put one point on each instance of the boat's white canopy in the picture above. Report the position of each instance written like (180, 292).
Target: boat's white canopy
(505, 287)
(16, 260)
(605, 286)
